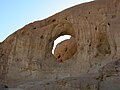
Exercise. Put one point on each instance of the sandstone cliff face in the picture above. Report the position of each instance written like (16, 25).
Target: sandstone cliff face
(65, 50)
(26, 55)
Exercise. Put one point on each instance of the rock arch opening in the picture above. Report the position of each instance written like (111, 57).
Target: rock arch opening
(64, 47)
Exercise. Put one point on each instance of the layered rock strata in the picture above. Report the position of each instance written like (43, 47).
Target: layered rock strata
(26, 55)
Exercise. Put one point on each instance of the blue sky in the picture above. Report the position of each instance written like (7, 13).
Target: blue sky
(14, 14)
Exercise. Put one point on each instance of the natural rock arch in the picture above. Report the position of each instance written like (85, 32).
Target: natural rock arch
(26, 54)
(65, 50)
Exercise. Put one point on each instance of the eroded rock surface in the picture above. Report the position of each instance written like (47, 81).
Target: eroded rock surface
(26, 59)
(65, 50)
(107, 78)
(3, 87)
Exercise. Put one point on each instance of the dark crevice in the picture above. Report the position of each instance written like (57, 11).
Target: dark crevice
(108, 23)
(60, 60)
(42, 37)
(48, 83)
(90, 44)
(53, 20)
(95, 28)
(34, 28)
(86, 17)
(99, 85)
(66, 18)
(58, 56)
(6, 86)
(88, 41)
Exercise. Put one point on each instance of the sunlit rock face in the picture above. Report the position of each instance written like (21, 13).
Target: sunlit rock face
(65, 50)
(27, 62)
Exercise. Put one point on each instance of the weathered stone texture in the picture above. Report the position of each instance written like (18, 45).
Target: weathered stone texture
(65, 50)
(3, 87)
(26, 55)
